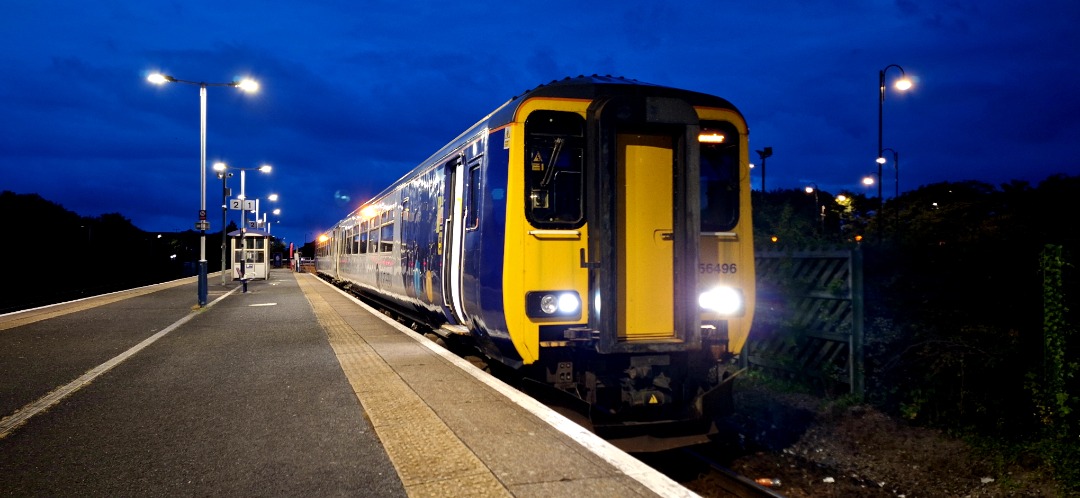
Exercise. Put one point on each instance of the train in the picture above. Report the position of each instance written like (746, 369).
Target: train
(591, 235)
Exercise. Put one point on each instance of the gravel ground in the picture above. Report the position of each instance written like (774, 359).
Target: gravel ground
(813, 448)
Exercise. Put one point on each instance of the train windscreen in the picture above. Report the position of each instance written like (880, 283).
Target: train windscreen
(719, 176)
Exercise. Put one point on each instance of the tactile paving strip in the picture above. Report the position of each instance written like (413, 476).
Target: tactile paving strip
(429, 458)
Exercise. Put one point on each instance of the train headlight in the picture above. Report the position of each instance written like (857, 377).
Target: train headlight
(722, 300)
(553, 304)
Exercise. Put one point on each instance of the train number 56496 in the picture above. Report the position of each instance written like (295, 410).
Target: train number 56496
(717, 268)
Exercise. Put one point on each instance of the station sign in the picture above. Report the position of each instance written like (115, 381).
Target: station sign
(242, 204)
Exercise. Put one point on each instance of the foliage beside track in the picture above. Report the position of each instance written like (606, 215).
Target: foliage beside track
(971, 295)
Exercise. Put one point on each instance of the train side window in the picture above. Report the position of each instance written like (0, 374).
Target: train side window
(386, 238)
(719, 182)
(373, 240)
(554, 159)
(472, 204)
(363, 237)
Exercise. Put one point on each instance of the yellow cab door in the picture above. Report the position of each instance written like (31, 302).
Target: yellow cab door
(642, 250)
(645, 241)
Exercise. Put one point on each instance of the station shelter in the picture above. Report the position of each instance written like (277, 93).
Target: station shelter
(251, 259)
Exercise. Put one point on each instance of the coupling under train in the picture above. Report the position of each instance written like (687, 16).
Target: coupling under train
(592, 234)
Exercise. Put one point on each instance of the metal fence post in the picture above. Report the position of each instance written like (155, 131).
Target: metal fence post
(856, 366)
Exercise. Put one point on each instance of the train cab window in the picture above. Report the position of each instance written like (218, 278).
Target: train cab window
(554, 159)
(719, 176)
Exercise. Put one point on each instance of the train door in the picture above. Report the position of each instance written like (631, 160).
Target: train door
(644, 210)
(642, 225)
(453, 237)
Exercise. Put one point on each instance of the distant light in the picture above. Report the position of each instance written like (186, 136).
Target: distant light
(869, 180)
(277, 212)
(157, 78)
(272, 197)
(751, 165)
(903, 84)
(368, 212)
(220, 166)
(809, 190)
(841, 198)
(323, 238)
(774, 238)
(858, 238)
(248, 85)
(711, 138)
(880, 160)
(265, 168)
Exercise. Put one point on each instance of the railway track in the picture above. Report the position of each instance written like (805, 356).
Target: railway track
(722, 481)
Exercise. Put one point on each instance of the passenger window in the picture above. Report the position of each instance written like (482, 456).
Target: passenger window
(554, 159)
(387, 238)
(472, 209)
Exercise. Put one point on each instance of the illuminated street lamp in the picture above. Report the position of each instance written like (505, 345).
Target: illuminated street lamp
(265, 225)
(901, 84)
(247, 85)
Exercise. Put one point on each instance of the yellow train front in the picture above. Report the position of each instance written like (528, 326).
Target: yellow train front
(594, 235)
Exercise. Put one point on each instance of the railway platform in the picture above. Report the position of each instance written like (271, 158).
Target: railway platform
(292, 388)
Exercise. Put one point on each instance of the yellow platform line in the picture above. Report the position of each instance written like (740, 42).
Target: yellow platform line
(430, 459)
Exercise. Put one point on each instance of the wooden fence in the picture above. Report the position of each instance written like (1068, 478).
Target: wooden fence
(809, 318)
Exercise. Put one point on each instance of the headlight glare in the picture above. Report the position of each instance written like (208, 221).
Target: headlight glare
(553, 304)
(722, 300)
(569, 303)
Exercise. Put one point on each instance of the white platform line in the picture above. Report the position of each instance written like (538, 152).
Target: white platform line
(22, 415)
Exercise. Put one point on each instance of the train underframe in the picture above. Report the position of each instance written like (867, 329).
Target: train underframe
(640, 402)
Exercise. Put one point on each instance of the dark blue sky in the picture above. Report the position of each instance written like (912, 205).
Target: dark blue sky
(356, 93)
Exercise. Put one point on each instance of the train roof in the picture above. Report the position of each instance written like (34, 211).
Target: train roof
(580, 87)
(591, 87)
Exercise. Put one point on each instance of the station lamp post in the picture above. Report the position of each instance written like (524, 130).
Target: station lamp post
(896, 166)
(247, 85)
(901, 84)
(221, 168)
(812, 188)
(223, 175)
(764, 154)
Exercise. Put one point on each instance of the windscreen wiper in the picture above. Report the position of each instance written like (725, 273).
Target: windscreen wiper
(549, 171)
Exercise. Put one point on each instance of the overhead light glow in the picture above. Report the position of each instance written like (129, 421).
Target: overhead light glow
(248, 85)
(711, 138)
